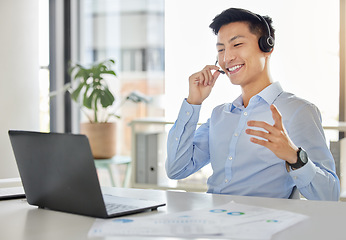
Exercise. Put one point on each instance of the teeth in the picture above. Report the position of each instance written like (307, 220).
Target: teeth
(234, 68)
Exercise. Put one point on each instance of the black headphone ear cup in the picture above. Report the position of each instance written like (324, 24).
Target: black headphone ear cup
(265, 43)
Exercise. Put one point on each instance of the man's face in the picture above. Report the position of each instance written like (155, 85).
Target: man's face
(239, 54)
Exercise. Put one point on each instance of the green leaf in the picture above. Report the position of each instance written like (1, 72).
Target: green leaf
(87, 100)
(95, 107)
(110, 72)
(106, 99)
(92, 86)
(76, 92)
(113, 115)
(80, 74)
(109, 95)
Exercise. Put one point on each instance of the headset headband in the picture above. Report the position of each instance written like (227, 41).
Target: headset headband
(266, 42)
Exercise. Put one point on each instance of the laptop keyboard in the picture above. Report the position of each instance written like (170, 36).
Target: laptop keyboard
(116, 204)
(113, 208)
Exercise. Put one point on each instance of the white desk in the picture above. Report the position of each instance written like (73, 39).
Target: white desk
(18, 220)
(339, 126)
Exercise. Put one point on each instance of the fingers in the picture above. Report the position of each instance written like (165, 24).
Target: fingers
(274, 137)
(201, 84)
(258, 133)
(216, 74)
(269, 128)
(268, 132)
(261, 142)
(206, 77)
(278, 125)
(276, 117)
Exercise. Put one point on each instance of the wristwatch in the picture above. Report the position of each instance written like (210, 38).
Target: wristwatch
(302, 159)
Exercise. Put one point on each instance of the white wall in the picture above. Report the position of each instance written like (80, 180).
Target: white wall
(19, 86)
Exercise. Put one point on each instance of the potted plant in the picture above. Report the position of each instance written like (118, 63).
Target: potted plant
(91, 91)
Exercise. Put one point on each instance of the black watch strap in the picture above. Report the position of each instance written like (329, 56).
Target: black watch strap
(302, 159)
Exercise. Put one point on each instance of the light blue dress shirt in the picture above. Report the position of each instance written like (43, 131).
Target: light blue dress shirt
(241, 167)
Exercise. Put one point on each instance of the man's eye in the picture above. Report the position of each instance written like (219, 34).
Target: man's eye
(220, 50)
(238, 44)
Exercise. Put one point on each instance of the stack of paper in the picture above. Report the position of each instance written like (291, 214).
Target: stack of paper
(231, 220)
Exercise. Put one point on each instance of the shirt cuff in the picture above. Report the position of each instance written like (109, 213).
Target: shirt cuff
(304, 175)
(189, 112)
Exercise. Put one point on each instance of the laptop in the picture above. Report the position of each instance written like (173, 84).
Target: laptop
(58, 173)
(11, 193)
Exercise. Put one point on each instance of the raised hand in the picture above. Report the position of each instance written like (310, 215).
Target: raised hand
(276, 138)
(201, 84)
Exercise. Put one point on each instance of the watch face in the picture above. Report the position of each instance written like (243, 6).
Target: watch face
(303, 156)
(302, 159)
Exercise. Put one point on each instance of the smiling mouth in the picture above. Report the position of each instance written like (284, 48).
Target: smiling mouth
(235, 68)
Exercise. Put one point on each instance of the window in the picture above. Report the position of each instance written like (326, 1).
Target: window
(132, 33)
(44, 63)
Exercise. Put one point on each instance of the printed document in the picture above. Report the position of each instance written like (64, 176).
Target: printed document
(232, 220)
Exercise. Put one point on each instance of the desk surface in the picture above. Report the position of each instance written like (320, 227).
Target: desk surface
(19, 220)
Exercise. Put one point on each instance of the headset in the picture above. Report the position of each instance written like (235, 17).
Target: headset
(266, 42)
(220, 71)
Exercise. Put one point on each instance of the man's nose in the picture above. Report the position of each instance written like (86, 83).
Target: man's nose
(229, 56)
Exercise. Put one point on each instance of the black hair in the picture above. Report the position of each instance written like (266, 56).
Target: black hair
(256, 26)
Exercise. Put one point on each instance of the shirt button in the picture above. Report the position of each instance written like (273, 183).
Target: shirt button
(245, 113)
(188, 113)
(226, 180)
(230, 158)
(176, 139)
(236, 134)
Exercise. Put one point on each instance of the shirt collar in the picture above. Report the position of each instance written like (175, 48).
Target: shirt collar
(269, 94)
(237, 103)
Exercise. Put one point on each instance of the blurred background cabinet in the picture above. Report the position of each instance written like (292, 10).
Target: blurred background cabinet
(149, 153)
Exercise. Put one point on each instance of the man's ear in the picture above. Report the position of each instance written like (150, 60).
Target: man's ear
(268, 54)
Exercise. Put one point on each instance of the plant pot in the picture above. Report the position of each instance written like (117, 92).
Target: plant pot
(102, 138)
